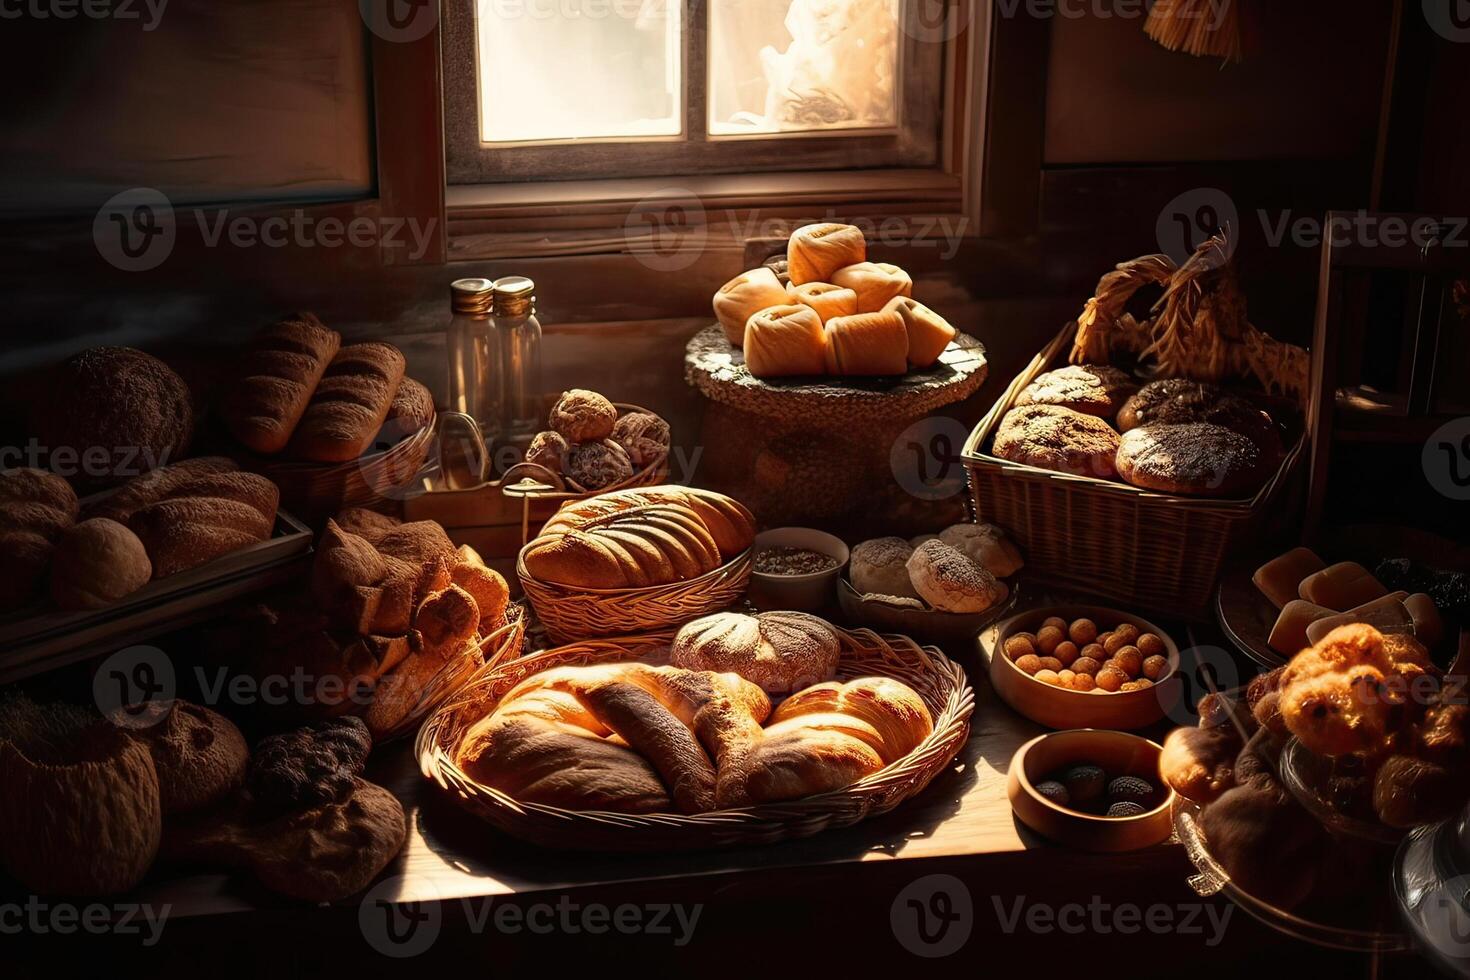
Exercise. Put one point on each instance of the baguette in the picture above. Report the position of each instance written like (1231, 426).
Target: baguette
(276, 382)
(206, 519)
(350, 404)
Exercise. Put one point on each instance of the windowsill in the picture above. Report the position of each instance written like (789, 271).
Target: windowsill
(600, 216)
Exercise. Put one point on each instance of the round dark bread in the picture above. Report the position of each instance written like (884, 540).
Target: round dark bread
(1093, 389)
(130, 404)
(1056, 438)
(1176, 401)
(1193, 458)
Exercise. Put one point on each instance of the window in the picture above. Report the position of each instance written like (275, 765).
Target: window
(567, 89)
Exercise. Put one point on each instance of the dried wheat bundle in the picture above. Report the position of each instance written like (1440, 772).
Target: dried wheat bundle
(1103, 326)
(1203, 28)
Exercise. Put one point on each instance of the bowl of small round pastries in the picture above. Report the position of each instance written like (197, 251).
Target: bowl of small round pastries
(1088, 666)
(1092, 789)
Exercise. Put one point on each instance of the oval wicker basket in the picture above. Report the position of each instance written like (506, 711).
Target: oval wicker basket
(496, 649)
(938, 680)
(316, 491)
(570, 614)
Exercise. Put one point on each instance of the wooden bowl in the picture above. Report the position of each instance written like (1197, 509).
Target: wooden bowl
(1057, 707)
(1119, 754)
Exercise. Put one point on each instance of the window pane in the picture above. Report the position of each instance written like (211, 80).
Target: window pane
(798, 65)
(569, 69)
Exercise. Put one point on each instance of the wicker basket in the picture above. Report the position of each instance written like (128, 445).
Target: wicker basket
(570, 614)
(940, 682)
(494, 650)
(316, 491)
(1149, 550)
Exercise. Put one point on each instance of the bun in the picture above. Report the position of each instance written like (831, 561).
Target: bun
(205, 519)
(644, 437)
(867, 345)
(96, 563)
(785, 341)
(744, 296)
(816, 251)
(276, 380)
(781, 652)
(987, 546)
(876, 284)
(350, 404)
(200, 757)
(583, 416)
(597, 465)
(880, 567)
(950, 582)
(1056, 438)
(549, 449)
(35, 508)
(1093, 389)
(1193, 458)
(929, 334)
(124, 401)
(827, 300)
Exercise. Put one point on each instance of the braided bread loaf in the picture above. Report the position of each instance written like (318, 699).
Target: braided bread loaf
(639, 538)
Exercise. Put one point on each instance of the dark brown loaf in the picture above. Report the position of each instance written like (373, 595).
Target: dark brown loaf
(350, 404)
(412, 408)
(1176, 401)
(184, 532)
(157, 485)
(127, 403)
(1195, 458)
(276, 382)
(1093, 389)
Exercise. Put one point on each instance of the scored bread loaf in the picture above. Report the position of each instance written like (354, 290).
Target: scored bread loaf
(276, 380)
(157, 485)
(350, 404)
(639, 538)
(204, 519)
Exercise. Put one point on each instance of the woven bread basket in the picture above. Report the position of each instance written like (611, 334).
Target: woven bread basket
(570, 614)
(493, 650)
(940, 682)
(1156, 551)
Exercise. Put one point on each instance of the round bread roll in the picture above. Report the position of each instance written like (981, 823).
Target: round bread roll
(583, 416)
(129, 405)
(1056, 438)
(743, 297)
(595, 465)
(644, 437)
(816, 251)
(97, 563)
(878, 568)
(986, 545)
(780, 652)
(200, 756)
(1094, 389)
(1193, 458)
(549, 449)
(950, 582)
(1176, 401)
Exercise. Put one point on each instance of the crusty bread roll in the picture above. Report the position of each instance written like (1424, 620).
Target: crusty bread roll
(828, 300)
(583, 416)
(743, 297)
(1191, 458)
(123, 401)
(929, 334)
(349, 404)
(372, 587)
(816, 251)
(781, 652)
(867, 345)
(785, 341)
(96, 563)
(205, 519)
(1055, 438)
(880, 567)
(35, 508)
(275, 382)
(876, 284)
(949, 581)
(987, 545)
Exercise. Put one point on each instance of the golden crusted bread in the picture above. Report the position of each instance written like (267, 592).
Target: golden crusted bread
(350, 404)
(781, 652)
(277, 377)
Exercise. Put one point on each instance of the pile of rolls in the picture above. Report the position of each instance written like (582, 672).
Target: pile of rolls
(838, 315)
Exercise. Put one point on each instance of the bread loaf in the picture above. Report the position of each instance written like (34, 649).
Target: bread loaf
(276, 380)
(350, 404)
(780, 652)
(728, 521)
(204, 519)
(816, 251)
(651, 545)
(876, 284)
(157, 485)
(743, 297)
(35, 508)
(412, 408)
(785, 341)
(867, 345)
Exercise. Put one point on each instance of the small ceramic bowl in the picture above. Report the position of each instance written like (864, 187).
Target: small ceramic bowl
(806, 593)
(1119, 754)
(1057, 707)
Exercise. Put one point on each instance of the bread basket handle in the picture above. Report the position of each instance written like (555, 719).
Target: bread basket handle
(470, 465)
